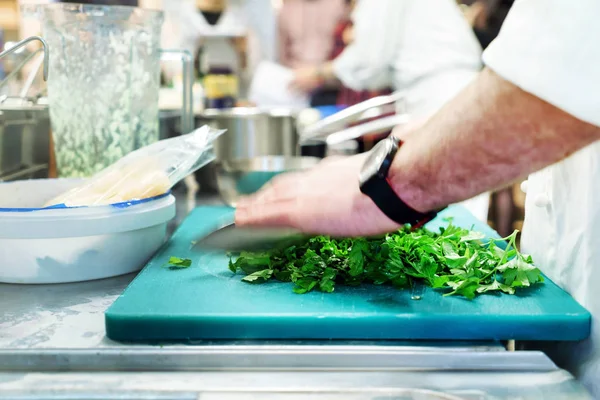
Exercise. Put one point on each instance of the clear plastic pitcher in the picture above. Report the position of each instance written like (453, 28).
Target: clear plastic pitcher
(103, 84)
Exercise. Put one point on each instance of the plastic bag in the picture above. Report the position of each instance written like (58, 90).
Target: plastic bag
(144, 173)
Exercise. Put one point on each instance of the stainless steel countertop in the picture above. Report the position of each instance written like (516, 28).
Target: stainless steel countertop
(52, 345)
(69, 315)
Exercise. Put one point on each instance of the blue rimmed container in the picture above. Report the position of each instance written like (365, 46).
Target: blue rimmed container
(73, 244)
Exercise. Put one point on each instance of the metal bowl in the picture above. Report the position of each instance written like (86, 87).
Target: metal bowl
(241, 177)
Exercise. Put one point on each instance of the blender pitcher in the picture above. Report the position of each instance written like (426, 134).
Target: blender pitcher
(104, 82)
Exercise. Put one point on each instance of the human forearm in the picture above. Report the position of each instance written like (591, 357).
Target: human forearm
(491, 134)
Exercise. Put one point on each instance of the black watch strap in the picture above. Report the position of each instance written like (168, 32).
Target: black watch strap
(397, 210)
(379, 189)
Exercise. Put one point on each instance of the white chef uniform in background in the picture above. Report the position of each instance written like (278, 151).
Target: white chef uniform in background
(551, 48)
(423, 47)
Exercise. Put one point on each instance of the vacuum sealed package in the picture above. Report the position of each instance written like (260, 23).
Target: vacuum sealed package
(144, 173)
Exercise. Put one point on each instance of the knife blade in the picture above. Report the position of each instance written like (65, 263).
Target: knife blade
(237, 239)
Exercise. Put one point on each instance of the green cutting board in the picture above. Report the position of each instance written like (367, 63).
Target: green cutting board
(206, 301)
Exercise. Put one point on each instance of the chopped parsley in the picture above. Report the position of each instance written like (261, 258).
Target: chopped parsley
(456, 261)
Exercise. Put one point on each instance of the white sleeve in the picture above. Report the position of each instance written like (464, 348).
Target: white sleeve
(367, 62)
(551, 49)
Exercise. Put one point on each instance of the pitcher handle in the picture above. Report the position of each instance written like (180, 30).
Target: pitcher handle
(187, 112)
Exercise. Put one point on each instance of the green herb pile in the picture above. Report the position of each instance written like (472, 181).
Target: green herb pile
(456, 260)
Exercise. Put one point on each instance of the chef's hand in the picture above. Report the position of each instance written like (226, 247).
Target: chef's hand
(323, 200)
(306, 79)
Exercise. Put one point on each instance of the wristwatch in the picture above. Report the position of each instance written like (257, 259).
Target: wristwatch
(373, 181)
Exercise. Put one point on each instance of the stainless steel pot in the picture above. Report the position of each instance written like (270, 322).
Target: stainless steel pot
(258, 145)
(253, 133)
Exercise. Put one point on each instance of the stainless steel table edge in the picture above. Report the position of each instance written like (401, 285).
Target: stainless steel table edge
(198, 358)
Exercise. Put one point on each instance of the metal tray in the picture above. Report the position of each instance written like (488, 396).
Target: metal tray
(24, 141)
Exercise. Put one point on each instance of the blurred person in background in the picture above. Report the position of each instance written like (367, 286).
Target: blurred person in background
(486, 17)
(343, 37)
(424, 48)
(306, 31)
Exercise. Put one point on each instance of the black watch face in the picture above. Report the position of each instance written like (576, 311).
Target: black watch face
(376, 157)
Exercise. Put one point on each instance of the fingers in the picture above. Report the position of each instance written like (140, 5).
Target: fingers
(280, 187)
(273, 205)
(278, 213)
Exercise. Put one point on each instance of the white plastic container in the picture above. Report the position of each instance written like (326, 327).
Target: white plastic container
(58, 245)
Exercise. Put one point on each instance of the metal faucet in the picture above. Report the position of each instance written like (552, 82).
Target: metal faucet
(30, 79)
(23, 43)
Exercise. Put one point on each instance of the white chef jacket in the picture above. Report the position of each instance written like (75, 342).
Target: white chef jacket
(423, 47)
(550, 48)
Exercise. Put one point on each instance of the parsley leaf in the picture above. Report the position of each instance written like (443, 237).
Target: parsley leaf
(179, 263)
(519, 273)
(472, 236)
(258, 276)
(496, 285)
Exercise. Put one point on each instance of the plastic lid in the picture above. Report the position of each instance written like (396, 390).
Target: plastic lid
(57, 222)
